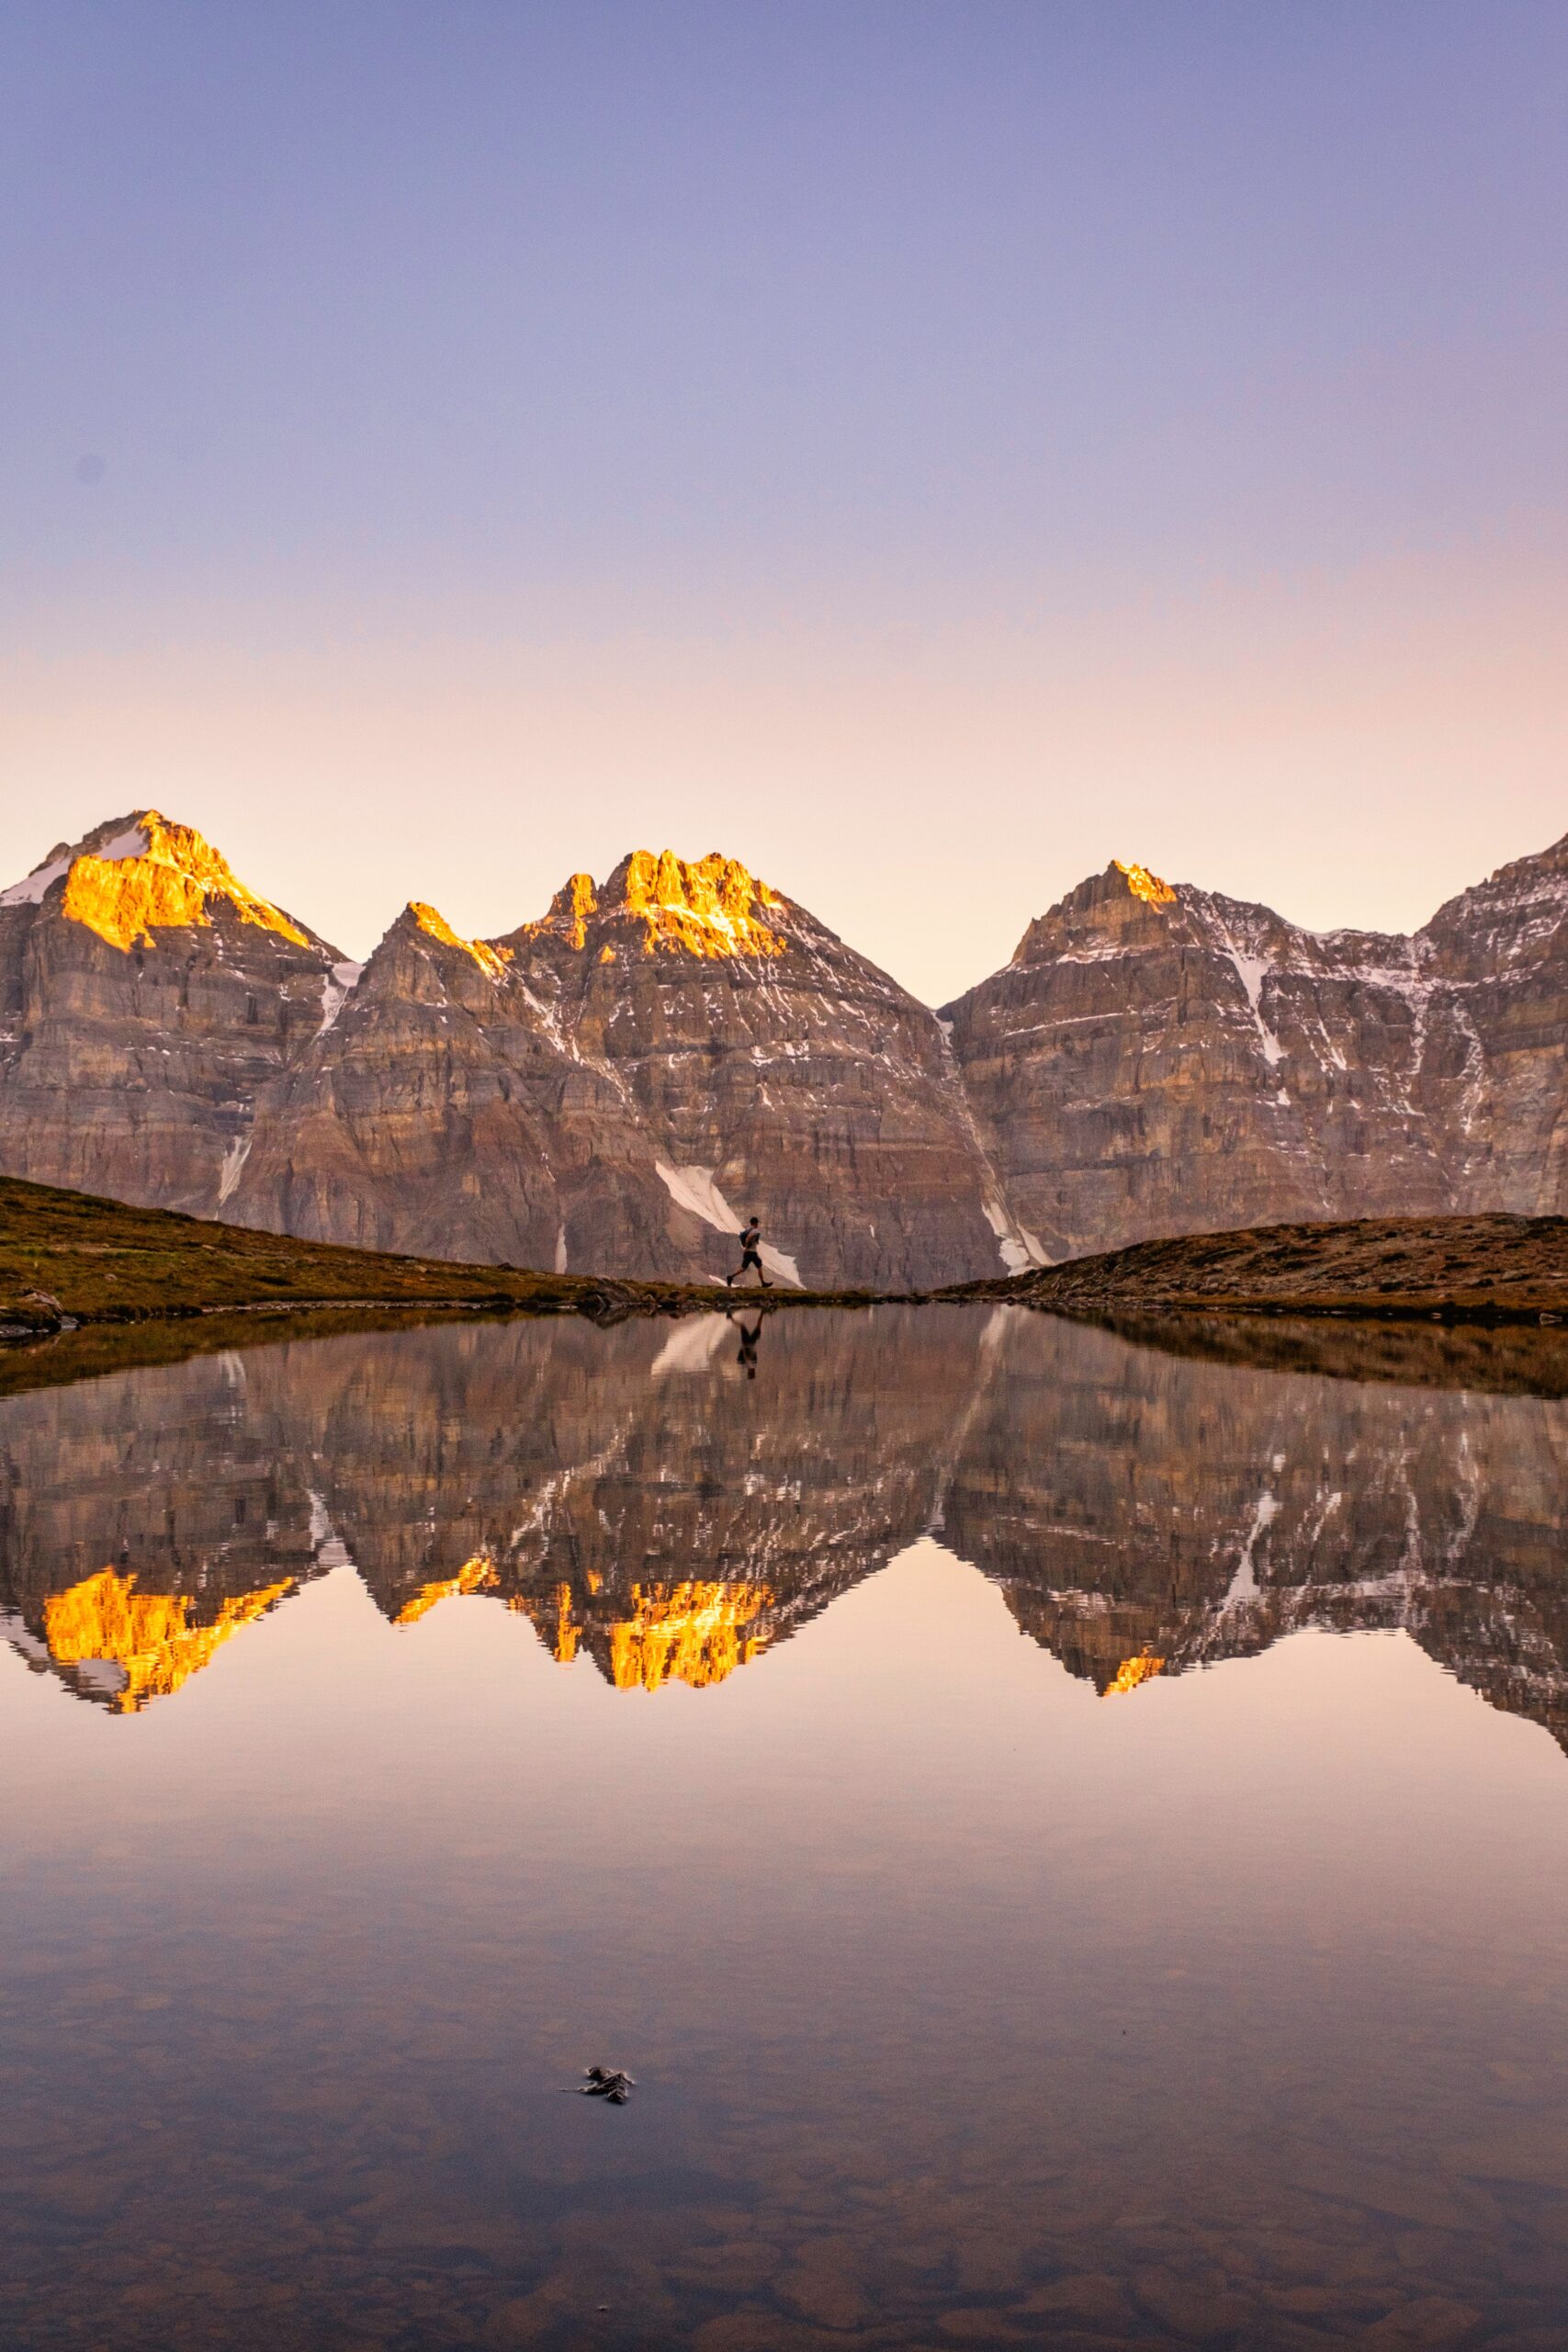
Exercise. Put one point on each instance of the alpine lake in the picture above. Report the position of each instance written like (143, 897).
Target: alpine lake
(1067, 1832)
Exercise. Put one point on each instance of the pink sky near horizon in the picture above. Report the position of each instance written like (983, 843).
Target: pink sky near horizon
(1350, 752)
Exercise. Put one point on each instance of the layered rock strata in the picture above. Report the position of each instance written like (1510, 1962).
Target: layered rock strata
(616, 1087)
(439, 1110)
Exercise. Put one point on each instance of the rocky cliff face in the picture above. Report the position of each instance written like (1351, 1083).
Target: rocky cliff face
(438, 1109)
(146, 998)
(1159, 1059)
(613, 1087)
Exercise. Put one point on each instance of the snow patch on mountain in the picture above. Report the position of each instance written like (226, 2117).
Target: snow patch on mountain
(29, 891)
(337, 987)
(234, 1160)
(1019, 1248)
(693, 1189)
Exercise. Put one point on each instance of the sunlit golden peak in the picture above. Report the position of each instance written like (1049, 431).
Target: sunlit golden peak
(145, 1635)
(489, 959)
(706, 907)
(1130, 1673)
(1145, 885)
(714, 907)
(151, 875)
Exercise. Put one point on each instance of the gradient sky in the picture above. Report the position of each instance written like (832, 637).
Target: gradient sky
(924, 450)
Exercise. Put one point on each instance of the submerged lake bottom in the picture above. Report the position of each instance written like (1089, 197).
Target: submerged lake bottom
(1070, 1841)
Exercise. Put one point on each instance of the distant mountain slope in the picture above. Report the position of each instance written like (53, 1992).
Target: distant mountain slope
(70, 1255)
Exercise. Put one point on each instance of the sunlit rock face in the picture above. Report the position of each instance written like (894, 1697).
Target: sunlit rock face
(146, 997)
(1160, 1059)
(129, 1647)
(142, 1529)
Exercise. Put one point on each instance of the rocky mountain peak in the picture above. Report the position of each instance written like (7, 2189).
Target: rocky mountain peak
(1145, 885)
(1124, 905)
(434, 925)
(141, 872)
(1515, 917)
(655, 903)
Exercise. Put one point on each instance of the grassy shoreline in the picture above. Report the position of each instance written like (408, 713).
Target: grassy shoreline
(1494, 1269)
(68, 1260)
(91, 1286)
(71, 1259)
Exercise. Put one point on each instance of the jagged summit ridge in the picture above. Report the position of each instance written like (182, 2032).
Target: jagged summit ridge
(619, 1083)
(655, 903)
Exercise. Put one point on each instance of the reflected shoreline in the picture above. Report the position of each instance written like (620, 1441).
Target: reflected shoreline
(1518, 1358)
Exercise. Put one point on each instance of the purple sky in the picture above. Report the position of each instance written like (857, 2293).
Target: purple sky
(925, 451)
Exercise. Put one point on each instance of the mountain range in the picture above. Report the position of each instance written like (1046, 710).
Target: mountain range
(613, 1087)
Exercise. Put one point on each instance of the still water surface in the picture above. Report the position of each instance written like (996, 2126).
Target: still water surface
(1072, 1843)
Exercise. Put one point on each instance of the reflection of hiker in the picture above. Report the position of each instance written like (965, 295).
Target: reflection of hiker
(750, 1255)
(747, 1357)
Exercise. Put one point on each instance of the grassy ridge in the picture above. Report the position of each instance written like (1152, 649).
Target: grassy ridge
(70, 1254)
(1481, 1269)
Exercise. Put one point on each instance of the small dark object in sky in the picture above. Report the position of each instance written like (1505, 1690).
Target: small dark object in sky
(606, 2082)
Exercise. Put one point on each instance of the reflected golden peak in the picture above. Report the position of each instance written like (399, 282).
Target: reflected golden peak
(165, 882)
(567, 1632)
(435, 926)
(472, 1577)
(144, 1633)
(1130, 1673)
(685, 1633)
(1145, 885)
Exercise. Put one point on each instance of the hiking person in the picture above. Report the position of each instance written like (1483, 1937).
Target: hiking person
(750, 1255)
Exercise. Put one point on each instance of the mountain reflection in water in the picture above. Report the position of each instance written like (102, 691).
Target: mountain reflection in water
(988, 1975)
(647, 1503)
